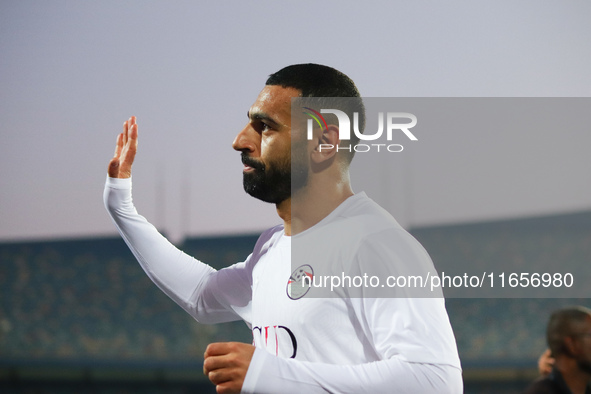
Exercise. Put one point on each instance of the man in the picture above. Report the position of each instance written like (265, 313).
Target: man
(569, 340)
(301, 344)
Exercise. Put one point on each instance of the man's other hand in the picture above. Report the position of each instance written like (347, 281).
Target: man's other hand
(226, 364)
(120, 164)
(546, 363)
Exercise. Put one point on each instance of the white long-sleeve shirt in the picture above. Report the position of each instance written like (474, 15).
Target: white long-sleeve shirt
(307, 344)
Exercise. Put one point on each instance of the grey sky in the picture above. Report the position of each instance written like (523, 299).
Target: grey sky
(71, 73)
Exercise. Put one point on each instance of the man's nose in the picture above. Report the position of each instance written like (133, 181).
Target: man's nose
(245, 140)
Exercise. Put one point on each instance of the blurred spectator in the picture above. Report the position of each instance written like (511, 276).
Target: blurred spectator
(569, 341)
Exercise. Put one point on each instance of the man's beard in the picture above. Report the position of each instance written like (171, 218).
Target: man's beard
(274, 184)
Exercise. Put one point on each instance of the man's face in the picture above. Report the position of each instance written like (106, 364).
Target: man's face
(582, 342)
(265, 143)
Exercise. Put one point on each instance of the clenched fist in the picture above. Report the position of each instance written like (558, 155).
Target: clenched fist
(226, 364)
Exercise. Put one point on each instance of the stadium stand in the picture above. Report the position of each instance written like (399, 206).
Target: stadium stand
(81, 316)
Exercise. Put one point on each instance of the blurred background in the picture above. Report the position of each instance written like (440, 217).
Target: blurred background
(77, 314)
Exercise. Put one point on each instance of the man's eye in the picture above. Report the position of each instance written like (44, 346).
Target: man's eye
(262, 126)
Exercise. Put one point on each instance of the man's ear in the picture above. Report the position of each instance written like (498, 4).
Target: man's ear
(571, 346)
(327, 144)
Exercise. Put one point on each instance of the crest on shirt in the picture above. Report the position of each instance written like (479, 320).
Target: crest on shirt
(299, 282)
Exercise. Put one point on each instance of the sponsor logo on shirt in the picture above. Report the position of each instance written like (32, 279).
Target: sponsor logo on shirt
(278, 340)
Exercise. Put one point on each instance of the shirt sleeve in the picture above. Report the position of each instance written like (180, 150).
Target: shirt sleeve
(418, 356)
(190, 283)
(271, 374)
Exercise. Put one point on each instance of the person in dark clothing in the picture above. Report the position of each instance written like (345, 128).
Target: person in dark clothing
(569, 340)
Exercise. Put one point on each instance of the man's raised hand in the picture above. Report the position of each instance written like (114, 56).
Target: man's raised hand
(226, 364)
(120, 164)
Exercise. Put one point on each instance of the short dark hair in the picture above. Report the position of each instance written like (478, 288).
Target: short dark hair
(316, 80)
(561, 325)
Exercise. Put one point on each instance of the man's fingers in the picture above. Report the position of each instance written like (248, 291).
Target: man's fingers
(129, 126)
(231, 360)
(133, 135)
(129, 148)
(218, 349)
(118, 145)
(227, 388)
(227, 379)
(113, 169)
(226, 364)
(227, 355)
(221, 375)
(125, 128)
(222, 356)
(128, 153)
(125, 150)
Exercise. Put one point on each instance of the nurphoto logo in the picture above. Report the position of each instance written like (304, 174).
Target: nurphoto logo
(391, 119)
